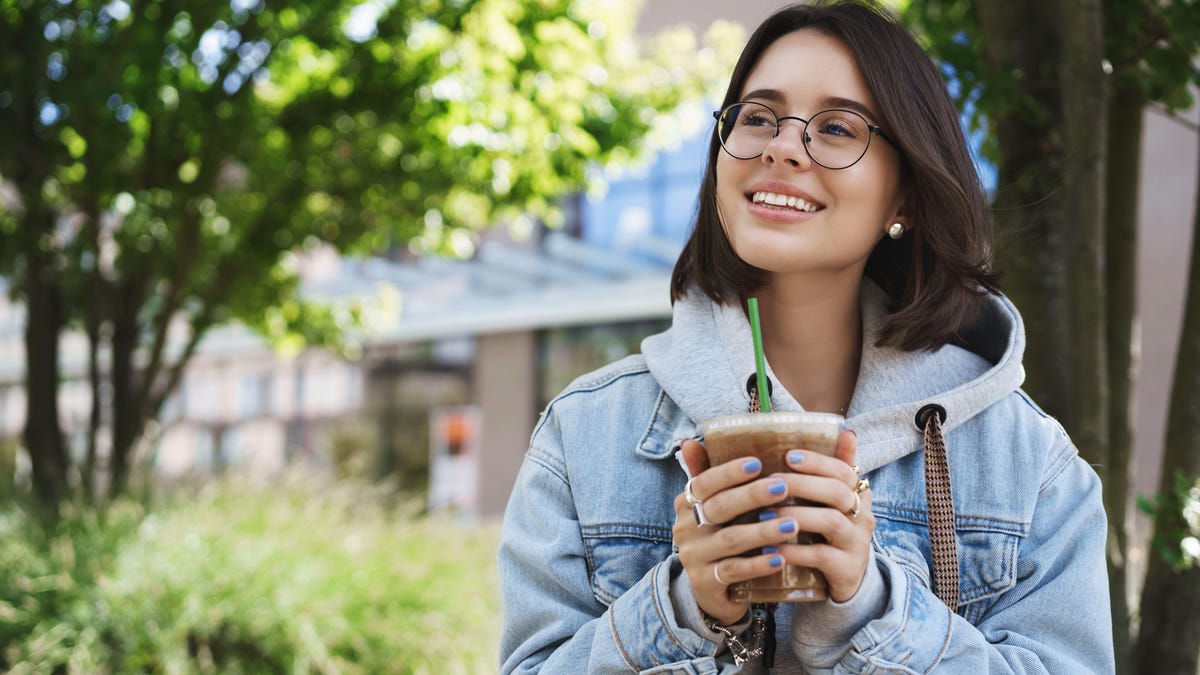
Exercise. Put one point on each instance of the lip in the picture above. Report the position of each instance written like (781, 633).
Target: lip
(784, 189)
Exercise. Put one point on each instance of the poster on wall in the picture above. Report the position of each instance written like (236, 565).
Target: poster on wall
(454, 438)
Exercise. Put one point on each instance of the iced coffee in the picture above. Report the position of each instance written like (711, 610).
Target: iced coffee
(769, 437)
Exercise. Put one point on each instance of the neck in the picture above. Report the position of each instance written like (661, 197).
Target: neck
(812, 336)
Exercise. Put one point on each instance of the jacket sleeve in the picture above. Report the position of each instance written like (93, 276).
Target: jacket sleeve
(552, 621)
(1055, 619)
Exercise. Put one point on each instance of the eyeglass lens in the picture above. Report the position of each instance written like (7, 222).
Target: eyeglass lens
(834, 139)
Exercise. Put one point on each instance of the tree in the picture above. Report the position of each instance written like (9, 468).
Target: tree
(1062, 87)
(171, 159)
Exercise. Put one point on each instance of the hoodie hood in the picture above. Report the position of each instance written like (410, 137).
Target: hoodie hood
(704, 360)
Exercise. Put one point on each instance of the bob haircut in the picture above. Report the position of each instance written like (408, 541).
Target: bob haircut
(937, 277)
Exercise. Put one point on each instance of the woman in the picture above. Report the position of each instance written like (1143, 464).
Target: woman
(840, 193)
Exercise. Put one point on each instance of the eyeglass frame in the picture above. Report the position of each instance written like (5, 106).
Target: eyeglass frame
(872, 129)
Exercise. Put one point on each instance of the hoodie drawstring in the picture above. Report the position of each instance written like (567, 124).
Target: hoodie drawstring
(940, 506)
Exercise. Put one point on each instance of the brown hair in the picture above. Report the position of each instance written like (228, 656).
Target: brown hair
(937, 275)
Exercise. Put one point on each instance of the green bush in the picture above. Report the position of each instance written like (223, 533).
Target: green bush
(299, 578)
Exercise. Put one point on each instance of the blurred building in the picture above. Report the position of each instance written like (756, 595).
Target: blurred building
(444, 397)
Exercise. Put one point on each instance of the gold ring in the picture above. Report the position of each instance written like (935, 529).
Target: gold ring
(857, 505)
(863, 484)
(855, 469)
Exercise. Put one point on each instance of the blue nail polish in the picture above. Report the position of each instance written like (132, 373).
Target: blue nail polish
(795, 456)
(752, 466)
(770, 549)
(778, 488)
(788, 525)
(777, 561)
(766, 515)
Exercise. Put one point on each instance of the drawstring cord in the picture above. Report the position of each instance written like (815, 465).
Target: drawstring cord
(940, 506)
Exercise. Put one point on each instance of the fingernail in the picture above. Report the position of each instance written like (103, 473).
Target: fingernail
(752, 466)
(788, 525)
(770, 549)
(766, 515)
(795, 456)
(776, 561)
(778, 488)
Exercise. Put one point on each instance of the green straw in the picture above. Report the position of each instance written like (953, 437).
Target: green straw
(760, 360)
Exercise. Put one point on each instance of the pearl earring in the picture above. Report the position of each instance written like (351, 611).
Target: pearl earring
(896, 230)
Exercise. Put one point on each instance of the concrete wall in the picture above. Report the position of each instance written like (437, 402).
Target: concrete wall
(1165, 218)
(505, 389)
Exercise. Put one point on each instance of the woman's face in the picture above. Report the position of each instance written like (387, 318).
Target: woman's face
(840, 214)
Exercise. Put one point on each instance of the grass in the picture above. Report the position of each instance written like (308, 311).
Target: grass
(303, 577)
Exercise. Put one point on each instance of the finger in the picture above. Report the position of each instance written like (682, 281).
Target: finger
(741, 492)
(695, 456)
(839, 528)
(712, 481)
(847, 446)
(736, 540)
(733, 570)
(814, 463)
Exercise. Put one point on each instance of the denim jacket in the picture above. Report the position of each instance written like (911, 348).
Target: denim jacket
(591, 581)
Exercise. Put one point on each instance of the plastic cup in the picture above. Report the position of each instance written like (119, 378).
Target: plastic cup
(769, 436)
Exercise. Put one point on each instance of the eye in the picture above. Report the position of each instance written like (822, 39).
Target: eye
(756, 118)
(838, 127)
(839, 124)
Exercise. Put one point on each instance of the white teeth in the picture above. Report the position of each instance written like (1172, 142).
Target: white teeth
(790, 201)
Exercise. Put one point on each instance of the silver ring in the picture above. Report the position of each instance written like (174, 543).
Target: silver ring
(717, 576)
(857, 505)
(697, 505)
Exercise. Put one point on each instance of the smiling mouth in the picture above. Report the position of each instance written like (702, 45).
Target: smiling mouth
(784, 202)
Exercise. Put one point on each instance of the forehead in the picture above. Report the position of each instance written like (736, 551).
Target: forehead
(805, 68)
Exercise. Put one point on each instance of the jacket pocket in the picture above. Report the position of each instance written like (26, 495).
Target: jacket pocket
(987, 555)
(620, 554)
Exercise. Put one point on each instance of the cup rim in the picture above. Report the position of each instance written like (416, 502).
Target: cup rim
(773, 418)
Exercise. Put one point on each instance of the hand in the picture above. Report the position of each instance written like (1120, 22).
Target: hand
(830, 481)
(711, 554)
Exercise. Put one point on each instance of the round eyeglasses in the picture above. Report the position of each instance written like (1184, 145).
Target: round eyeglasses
(834, 139)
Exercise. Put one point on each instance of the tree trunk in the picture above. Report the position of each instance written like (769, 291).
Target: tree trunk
(1169, 638)
(1124, 179)
(1084, 102)
(1028, 205)
(43, 437)
(127, 420)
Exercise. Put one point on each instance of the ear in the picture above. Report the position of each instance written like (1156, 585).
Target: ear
(899, 213)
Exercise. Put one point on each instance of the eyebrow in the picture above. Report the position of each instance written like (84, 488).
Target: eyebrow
(826, 102)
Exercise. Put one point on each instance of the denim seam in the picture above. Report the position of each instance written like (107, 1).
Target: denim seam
(946, 642)
(662, 617)
(658, 404)
(659, 535)
(1056, 469)
(543, 459)
(588, 387)
(964, 523)
(612, 622)
(869, 653)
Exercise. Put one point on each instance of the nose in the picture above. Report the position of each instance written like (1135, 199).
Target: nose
(788, 146)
